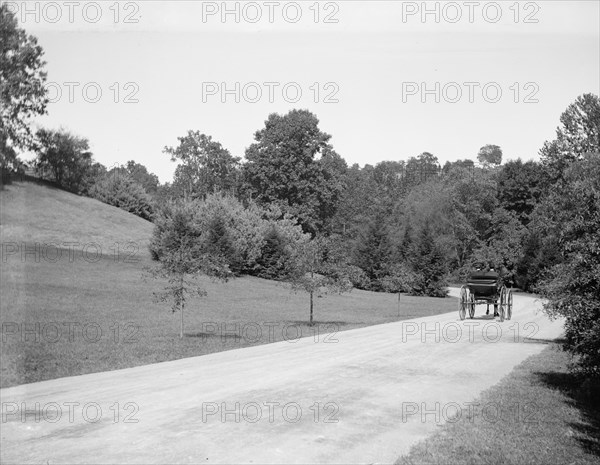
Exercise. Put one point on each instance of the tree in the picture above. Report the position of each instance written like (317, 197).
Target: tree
(572, 286)
(405, 245)
(140, 174)
(490, 155)
(206, 166)
(429, 264)
(274, 258)
(317, 269)
(220, 244)
(355, 207)
(465, 164)
(372, 252)
(282, 168)
(398, 279)
(9, 161)
(22, 78)
(472, 198)
(63, 158)
(578, 135)
(420, 169)
(519, 187)
(183, 256)
(504, 249)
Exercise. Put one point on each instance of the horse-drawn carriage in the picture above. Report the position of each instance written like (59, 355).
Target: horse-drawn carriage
(485, 287)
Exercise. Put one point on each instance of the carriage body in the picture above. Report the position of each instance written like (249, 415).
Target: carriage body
(485, 287)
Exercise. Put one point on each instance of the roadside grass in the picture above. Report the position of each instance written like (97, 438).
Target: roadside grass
(72, 316)
(539, 414)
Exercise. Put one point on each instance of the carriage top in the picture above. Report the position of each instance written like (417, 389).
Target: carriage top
(484, 283)
(485, 287)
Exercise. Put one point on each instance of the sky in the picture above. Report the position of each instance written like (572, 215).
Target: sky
(387, 79)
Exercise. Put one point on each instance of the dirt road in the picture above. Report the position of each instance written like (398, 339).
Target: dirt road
(359, 396)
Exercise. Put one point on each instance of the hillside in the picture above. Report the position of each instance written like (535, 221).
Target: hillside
(82, 314)
(38, 213)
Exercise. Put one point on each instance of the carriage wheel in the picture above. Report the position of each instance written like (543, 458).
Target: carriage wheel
(509, 304)
(462, 303)
(503, 303)
(471, 305)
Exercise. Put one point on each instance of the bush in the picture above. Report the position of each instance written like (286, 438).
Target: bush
(120, 191)
(254, 240)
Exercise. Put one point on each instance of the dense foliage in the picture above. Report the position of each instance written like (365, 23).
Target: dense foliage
(572, 211)
(22, 91)
(118, 189)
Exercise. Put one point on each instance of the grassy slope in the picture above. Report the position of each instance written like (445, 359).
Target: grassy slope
(558, 421)
(39, 213)
(56, 300)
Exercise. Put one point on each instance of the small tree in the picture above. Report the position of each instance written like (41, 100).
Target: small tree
(317, 271)
(180, 244)
(219, 243)
(272, 263)
(398, 279)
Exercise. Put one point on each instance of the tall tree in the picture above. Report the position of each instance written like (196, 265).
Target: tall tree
(519, 187)
(140, 174)
(578, 134)
(282, 168)
(206, 166)
(490, 155)
(22, 92)
(572, 287)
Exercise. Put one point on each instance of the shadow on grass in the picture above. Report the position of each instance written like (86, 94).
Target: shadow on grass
(223, 335)
(322, 323)
(584, 395)
(535, 340)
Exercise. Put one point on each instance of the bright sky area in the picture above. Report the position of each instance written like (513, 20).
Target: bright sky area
(394, 79)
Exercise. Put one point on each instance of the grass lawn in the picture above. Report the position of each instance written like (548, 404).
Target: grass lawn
(78, 313)
(558, 420)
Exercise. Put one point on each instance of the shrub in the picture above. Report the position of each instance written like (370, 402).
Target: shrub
(253, 240)
(121, 191)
